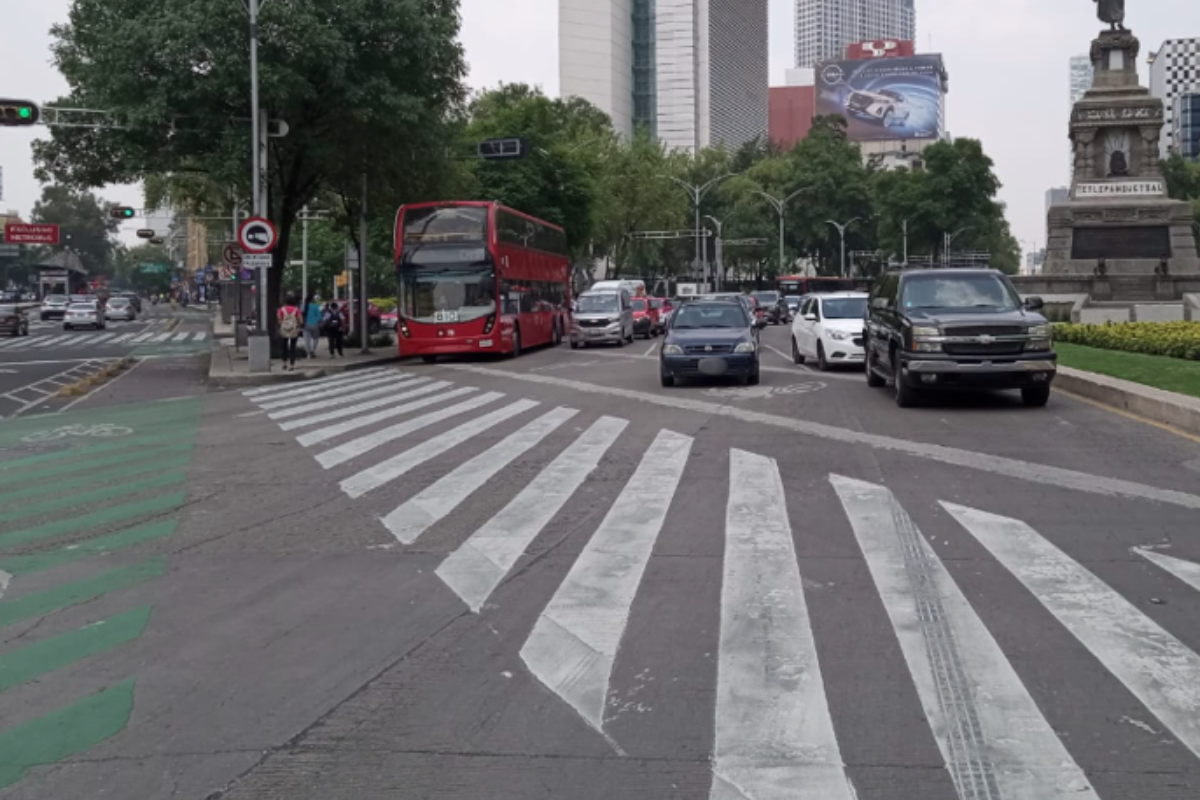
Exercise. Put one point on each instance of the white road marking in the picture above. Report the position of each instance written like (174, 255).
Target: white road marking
(650, 353)
(161, 337)
(342, 428)
(388, 391)
(143, 337)
(270, 393)
(393, 410)
(993, 737)
(5, 577)
(332, 391)
(1040, 474)
(774, 736)
(11, 342)
(180, 337)
(102, 338)
(409, 521)
(1186, 571)
(780, 353)
(476, 568)
(377, 475)
(574, 644)
(27, 341)
(101, 387)
(1155, 666)
(200, 337)
(123, 338)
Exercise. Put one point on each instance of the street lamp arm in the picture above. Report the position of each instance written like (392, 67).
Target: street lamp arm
(691, 190)
(774, 201)
(797, 193)
(701, 190)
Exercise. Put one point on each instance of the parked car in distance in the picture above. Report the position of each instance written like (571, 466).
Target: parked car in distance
(663, 306)
(957, 329)
(88, 314)
(793, 303)
(645, 317)
(829, 328)
(390, 320)
(774, 307)
(603, 317)
(54, 306)
(13, 320)
(121, 308)
(713, 338)
(134, 299)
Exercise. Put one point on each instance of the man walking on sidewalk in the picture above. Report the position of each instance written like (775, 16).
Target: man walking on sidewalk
(335, 323)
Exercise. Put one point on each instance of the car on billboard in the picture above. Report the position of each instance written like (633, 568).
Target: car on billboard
(886, 107)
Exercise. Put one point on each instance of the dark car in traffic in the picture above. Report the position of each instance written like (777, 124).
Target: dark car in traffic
(710, 338)
(775, 308)
(957, 329)
(13, 320)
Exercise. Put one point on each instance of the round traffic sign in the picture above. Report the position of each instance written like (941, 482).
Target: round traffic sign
(257, 235)
(232, 255)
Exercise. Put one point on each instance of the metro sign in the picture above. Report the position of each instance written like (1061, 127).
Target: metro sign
(16, 233)
(880, 48)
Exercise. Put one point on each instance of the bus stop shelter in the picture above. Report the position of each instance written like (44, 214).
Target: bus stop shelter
(61, 273)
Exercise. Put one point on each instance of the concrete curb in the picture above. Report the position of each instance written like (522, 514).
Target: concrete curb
(1178, 411)
(220, 369)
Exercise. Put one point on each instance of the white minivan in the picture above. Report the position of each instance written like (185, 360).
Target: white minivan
(602, 317)
(634, 287)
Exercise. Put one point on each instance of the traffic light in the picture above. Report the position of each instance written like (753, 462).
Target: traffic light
(123, 212)
(15, 113)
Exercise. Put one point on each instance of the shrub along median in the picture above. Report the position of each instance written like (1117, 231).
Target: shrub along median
(1179, 340)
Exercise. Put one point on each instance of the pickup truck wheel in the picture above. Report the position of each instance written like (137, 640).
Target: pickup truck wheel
(873, 380)
(1035, 396)
(797, 359)
(822, 362)
(906, 396)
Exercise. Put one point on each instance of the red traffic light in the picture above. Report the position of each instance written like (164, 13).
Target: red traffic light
(15, 113)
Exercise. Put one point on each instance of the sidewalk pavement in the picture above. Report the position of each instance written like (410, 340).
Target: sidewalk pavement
(1167, 408)
(231, 367)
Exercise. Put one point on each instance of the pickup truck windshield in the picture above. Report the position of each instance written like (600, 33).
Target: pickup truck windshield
(959, 292)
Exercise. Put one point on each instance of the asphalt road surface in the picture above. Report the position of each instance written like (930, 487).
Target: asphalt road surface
(552, 578)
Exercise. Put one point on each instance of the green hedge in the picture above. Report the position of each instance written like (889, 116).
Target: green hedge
(1173, 339)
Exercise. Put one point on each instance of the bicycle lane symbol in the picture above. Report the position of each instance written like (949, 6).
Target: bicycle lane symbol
(101, 431)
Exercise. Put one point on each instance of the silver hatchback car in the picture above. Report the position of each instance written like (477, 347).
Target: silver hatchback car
(120, 308)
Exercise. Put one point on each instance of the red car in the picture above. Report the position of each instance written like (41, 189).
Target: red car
(390, 320)
(646, 319)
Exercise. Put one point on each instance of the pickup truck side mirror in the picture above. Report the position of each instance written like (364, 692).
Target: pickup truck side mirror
(1034, 303)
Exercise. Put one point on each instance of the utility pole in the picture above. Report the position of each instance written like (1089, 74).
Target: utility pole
(841, 229)
(780, 206)
(256, 165)
(363, 330)
(696, 192)
(718, 250)
(904, 226)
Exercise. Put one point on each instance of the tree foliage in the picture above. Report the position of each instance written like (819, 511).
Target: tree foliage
(85, 225)
(364, 86)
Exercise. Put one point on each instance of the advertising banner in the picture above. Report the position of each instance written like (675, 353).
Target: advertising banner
(885, 98)
(880, 48)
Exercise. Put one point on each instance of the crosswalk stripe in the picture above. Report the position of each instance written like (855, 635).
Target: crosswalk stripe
(200, 337)
(993, 737)
(574, 642)
(1186, 571)
(774, 732)
(331, 392)
(313, 387)
(141, 338)
(1157, 668)
(102, 338)
(123, 338)
(26, 341)
(342, 428)
(180, 337)
(264, 391)
(11, 342)
(411, 519)
(310, 405)
(377, 475)
(476, 568)
(420, 391)
(159, 337)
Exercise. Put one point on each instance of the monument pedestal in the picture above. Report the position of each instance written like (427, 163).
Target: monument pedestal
(1119, 219)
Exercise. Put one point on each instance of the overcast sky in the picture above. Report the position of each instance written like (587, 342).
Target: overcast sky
(1007, 64)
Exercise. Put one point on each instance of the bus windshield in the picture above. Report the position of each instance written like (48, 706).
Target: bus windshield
(452, 294)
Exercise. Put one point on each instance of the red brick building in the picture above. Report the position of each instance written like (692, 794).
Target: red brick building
(791, 114)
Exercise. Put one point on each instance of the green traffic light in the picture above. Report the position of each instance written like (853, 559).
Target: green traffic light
(25, 112)
(129, 212)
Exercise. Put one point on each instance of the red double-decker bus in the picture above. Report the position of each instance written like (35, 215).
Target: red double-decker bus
(477, 277)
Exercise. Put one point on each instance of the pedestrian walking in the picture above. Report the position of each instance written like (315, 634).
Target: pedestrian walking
(291, 325)
(334, 321)
(311, 313)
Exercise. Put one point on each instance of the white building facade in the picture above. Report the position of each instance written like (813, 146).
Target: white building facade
(825, 27)
(1174, 72)
(692, 72)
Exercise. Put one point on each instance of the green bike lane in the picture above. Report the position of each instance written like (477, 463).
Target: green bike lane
(181, 599)
(80, 493)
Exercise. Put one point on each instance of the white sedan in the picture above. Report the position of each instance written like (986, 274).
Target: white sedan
(829, 328)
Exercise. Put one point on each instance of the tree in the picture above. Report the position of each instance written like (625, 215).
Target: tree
(85, 224)
(128, 270)
(364, 85)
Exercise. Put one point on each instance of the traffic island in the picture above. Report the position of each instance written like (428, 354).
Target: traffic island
(1166, 408)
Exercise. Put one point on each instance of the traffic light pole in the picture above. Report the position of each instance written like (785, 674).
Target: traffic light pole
(255, 124)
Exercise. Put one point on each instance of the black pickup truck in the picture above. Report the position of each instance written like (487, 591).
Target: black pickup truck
(956, 329)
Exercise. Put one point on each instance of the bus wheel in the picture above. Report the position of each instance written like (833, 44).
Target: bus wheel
(429, 359)
(516, 351)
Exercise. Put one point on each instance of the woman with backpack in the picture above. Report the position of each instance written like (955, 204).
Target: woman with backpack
(311, 312)
(290, 327)
(334, 321)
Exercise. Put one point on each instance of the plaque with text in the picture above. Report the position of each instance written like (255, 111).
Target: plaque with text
(1118, 243)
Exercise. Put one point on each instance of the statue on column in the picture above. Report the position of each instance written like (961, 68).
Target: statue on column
(1112, 12)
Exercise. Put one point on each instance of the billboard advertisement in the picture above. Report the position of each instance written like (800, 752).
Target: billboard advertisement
(885, 98)
(880, 48)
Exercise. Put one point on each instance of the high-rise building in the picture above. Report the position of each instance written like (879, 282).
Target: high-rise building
(692, 72)
(1186, 127)
(1081, 72)
(1174, 72)
(825, 27)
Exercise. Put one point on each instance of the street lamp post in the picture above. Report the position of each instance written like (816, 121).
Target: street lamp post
(696, 192)
(949, 242)
(904, 226)
(252, 7)
(780, 205)
(841, 229)
(717, 249)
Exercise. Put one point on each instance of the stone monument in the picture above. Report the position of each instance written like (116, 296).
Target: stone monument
(1118, 219)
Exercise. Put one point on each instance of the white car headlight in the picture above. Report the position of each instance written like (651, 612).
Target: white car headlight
(839, 336)
(745, 347)
(1041, 331)
(920, 332)
(672, 350)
